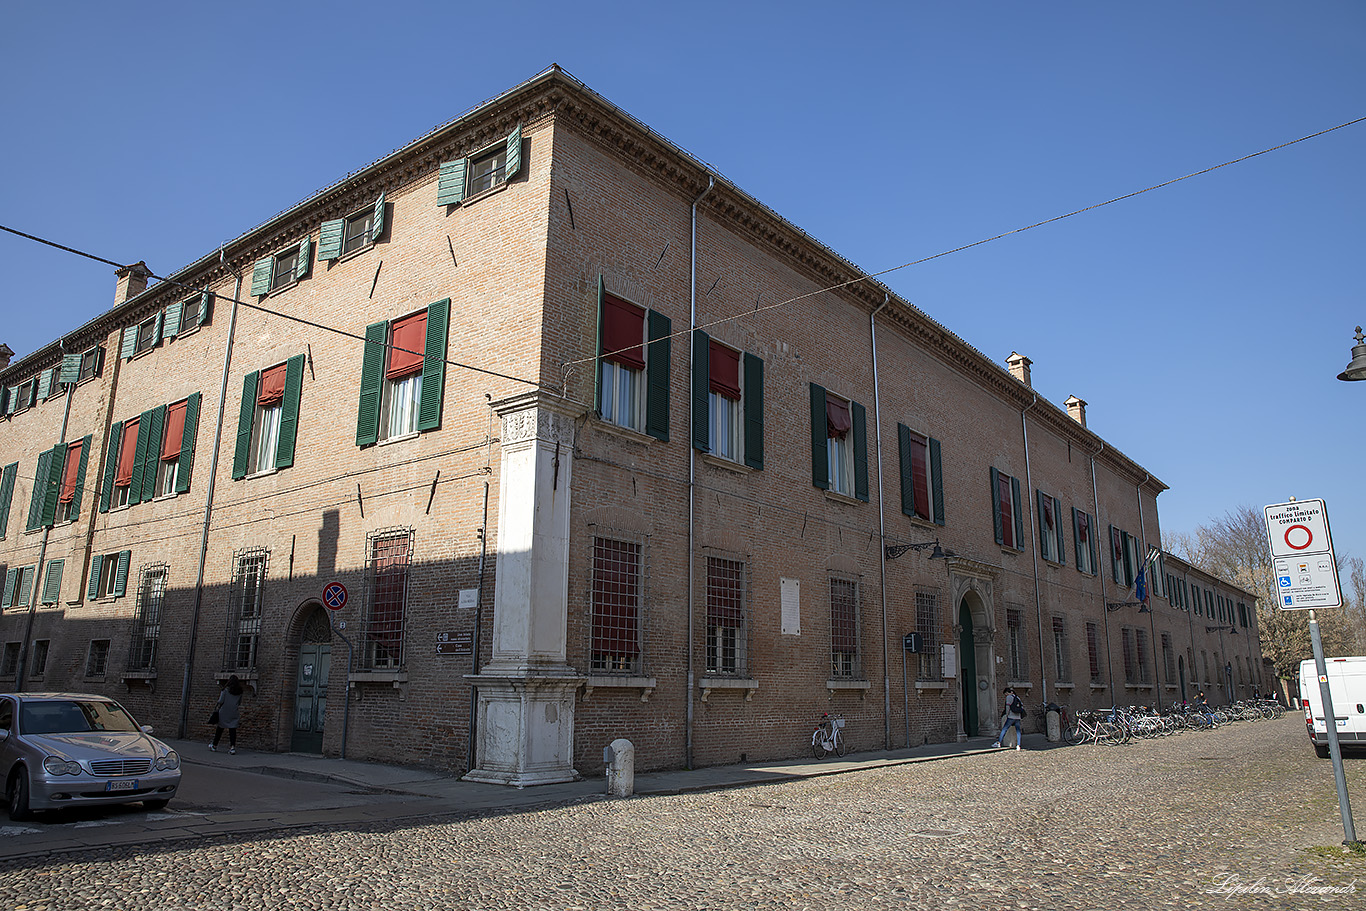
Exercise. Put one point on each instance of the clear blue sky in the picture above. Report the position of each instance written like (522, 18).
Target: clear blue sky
(1205, 323)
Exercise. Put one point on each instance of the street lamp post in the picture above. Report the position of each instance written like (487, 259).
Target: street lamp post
(1356, 370)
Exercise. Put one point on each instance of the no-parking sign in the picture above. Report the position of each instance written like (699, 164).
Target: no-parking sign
(334, 596)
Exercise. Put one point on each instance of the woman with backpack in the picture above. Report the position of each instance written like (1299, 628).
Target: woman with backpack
(1015, 712)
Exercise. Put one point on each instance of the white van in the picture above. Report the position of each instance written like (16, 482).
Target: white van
(1347, 684)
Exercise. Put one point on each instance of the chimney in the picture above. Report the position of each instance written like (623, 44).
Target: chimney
(1019, 367)
(6, 352)
(132, 281)
(1076, 409)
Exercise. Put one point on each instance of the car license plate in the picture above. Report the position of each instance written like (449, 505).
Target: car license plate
(123, 784)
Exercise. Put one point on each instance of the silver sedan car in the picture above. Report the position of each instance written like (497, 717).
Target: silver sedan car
(60, 750)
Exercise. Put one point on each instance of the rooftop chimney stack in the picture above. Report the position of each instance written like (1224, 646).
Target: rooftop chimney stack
(6, 352)
(1076, 409)
(132, 281)
(1019, 367)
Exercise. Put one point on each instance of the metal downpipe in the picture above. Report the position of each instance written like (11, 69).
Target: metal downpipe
(692, 484)
(1034, 550)
(882, 532)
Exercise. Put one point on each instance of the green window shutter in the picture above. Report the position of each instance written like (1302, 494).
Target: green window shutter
(111, 464)
(1045, 544)
(153, 457)
(434, 366)
(99, 360)
(11, 576)
(71, 368)
(80, 476)
(903, 439)
(998, 523)
(187, 441)
(157, 327)
(242, 455)
(1019, 513)
(305, 263)
(1115, 565)
(372, 383)
(173, 312)
(597, 352)
(261, 274)
(35, 501)
(701, 391)
(93, 589)
(657, 368)
(25, 586)
(377, 222)
(450, 185)
(7, 477)
(289, 411)
(820, 458)
(52, 581)
(130, 342)
(205, 307)
(754, 411)
(54, 483)
(1061, 555)
(937, 480)
(514, 154)
(330, 240)
(140, 458)
(860, 417)
(121, 573)
(1076, 537)
(6, 399)
(44, 384)
(1091, 524)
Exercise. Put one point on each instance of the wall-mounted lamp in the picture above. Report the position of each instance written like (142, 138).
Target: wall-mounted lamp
(892, 551)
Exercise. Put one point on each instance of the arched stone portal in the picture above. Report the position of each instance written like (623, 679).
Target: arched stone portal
(312, 671)
(972, 586)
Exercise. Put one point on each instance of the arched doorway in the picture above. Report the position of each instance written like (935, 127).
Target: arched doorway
(967, 677)
(310, 693)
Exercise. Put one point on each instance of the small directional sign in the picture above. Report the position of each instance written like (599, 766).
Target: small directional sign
(334, 596)
(459, 644)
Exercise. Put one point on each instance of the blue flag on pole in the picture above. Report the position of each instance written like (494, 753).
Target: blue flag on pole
(1141, 586)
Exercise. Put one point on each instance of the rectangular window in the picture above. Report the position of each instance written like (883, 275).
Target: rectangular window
(246, 607)
(341, 236)
(9, 665)
(97, 658)
(723, 401)
(265, 431)
(1130, 662)
(727, 401)
(39, 663)
(727, 629)
(286, 264)
(1169, 658)
(90, 364)
(1062, 654)
(52, 581)
(1141, 655)
(844, 629)
(268, 418)
(389, 555)
(839, 444)
(1084, 541)
(1007, 515)
(1019, 666)
(1052, 544)
(1123, 556)
(357, 232)
(73, 476)
(19, 586)
(465, 177)
(149, 333)
(487, 170)
(108, 575)
(922, 484)
(173, 436)
(1093, 651)
(622, 350)
(142, 647)
(927, 625)
(281, 270)
(403, 376)
(615, 590)
(189, 315)
(123, 473)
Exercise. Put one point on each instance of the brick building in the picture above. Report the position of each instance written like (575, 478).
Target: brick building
(576, 440)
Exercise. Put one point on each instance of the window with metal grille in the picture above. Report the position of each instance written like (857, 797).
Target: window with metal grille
(1093, 651)
(40, 648)
(844, 628)
(1127, 638)
(97, 658)
(1062, 653)
(389, 557)
(727, 626)
(1141, 655)
(1019, 665)
(246, 604)
(927, 625)
(10, 665)
(616, 606)
(142, 647)
(1168, 657)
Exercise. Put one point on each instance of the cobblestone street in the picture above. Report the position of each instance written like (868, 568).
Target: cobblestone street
(1227, 819)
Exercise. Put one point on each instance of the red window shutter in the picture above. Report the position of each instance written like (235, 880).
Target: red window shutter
(623, 330)
(127, 451)
(837, 420)
(174, 433)
(920, 476)
(73, 461)
(272, 387)
(724, 371)
(409, 342)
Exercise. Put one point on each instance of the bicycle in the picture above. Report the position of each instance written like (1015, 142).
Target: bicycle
(828, 737)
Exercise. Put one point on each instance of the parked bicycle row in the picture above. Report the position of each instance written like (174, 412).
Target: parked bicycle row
(1120, 725)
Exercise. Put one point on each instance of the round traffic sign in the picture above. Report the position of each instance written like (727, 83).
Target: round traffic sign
(334, 596)
(1301, 534)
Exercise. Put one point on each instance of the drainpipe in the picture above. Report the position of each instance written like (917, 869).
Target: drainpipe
(1105, 610)
(1034, 550)
(185, 685)
(1152, 620)
(882, 533)
(36, 591)
(692, 483)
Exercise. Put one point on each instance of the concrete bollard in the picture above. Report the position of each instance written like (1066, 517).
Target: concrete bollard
(1054, 726)
(620, 757)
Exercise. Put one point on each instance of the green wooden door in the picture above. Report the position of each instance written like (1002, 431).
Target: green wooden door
(310, 698)
(967, 675)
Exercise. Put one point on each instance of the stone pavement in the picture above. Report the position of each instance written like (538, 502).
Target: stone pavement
(422, 794)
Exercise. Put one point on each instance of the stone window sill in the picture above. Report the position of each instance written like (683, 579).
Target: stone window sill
(707, 684)
(646, 685)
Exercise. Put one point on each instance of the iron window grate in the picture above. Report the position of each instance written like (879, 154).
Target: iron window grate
(616, 604)
(246, 603)
(727, 616)
(389, 554)
(146, 632)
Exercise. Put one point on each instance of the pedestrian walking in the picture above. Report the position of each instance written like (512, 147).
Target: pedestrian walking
(226, 715)
(1015, 712)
